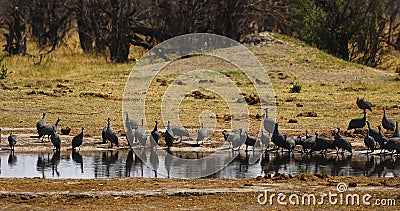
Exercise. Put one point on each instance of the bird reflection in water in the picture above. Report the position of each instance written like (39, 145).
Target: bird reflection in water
(128, 163)
(77, 157)
(168, 161)
(44, 163)
(12, 159)
(154, 161)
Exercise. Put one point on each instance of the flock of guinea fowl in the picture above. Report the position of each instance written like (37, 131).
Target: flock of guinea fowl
(136, 134)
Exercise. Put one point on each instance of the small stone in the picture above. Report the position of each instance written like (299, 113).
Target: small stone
(293, 121)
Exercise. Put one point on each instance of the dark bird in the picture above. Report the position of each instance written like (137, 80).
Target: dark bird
(154, 136)
(323, 144)
(103, 135)
(250, 141)
(396, 130)
(290, 142)
(41, 123)
(47, 130)
(228, 137)
(277, 138)
(309, 143)
(265, 139)
(130, 136)
(201, 134)
(387, 123)
(55, 139)
(237, 140)
(269, 124)
(358, 122)
(169, 136)
(133, 123)
(180, 131)
(381, 139)
(364, 104)
(77, 140)
(140, 134)
(393, 144)
(110, 134)
(12, 140)
(341, 142)
(372, 132)
(369, 141)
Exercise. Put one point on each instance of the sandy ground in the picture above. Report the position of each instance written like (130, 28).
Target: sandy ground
(198, 194)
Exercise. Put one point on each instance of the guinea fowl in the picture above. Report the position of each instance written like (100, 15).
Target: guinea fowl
(201, 134)
(55, 139)
(41, 123)
(372, 132)
(309, 143)
(130, 136)
(277, 138)
(47, 130)
(393, 144)
(154, 136)
(381, 139)
(323, 144)
(236, 141)
(396, 130)
(133, 123)
(250, 141)
(387, 123)
(142, 134)
(265, 139)
(228, 137)
(12, 140)
(290, 143)
(179, 131)
(358, 123)
(110, 134)
(269, 124)
(169, 136)
(77, 140)
(363, 104)
(341, 142)
(369, 141)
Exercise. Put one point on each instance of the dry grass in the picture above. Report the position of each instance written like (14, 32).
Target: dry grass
(84, 90)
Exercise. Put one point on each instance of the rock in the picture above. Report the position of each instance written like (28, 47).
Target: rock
(293, 121)
(307, 114)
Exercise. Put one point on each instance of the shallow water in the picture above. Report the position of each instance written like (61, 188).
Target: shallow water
(160, 164)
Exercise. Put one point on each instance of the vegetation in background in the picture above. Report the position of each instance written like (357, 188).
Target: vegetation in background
(353, 30)
(296, 88)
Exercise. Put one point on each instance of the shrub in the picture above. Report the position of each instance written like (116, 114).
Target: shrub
(296, 88)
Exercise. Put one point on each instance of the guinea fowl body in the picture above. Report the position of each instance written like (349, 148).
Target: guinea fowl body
(12, 140)
(154, 136)
(364, 104)
(369, 141)
(41, 123)
(77, 140)
(180, 131)
(47, 130)
(201, 134)
(169, 136)
(358, 122)
(55, 139)
(396, 130)
(250, 141)
(269, 124)
(341, 142)
(387, 123)
(110, 134)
